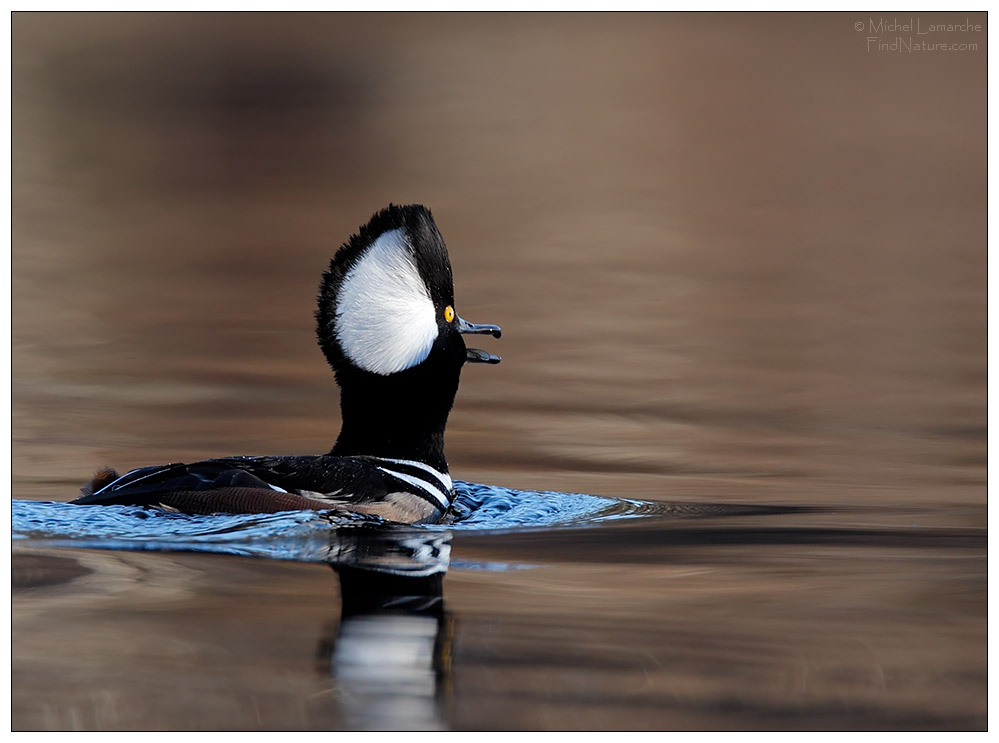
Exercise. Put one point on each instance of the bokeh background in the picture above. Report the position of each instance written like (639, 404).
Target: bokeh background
(736, 258)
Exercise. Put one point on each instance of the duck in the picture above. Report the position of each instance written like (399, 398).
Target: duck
(387, 325)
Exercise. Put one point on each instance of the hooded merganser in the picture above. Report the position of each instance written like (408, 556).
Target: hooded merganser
(387, 326)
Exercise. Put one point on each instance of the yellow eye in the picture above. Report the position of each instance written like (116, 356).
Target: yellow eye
(449, 313)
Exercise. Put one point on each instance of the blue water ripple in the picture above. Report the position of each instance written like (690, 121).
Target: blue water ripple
(297, 535)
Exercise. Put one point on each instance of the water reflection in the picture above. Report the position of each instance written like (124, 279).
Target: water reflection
(391, 653)
(383, 661)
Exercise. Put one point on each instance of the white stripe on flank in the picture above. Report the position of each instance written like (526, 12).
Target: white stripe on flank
(111, 484)
(445, 479)
(421, 484)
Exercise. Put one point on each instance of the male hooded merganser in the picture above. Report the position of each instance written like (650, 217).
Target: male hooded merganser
(386, 324)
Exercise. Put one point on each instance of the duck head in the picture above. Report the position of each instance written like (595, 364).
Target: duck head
(387, 325)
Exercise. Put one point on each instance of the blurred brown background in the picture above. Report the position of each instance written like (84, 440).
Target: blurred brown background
(720, 245)
(736, 258)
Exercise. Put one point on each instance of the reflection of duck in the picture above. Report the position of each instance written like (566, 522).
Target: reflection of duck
(391, 656)
(387, 325)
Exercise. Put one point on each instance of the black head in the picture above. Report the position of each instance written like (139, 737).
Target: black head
(387, 326)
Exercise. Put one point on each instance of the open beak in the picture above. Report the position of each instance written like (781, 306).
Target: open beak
(474, 354)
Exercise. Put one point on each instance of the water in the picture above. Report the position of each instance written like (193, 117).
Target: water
(304, 535)
(732, 469)
(389, 653)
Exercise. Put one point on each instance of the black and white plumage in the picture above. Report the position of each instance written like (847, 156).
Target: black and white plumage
(386, 324)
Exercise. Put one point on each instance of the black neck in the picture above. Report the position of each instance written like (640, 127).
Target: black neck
(401, 416)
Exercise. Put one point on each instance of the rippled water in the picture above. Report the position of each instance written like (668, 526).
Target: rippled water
(734, 462)
(302, 535)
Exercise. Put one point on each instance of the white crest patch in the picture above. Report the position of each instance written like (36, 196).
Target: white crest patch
(385, 319)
